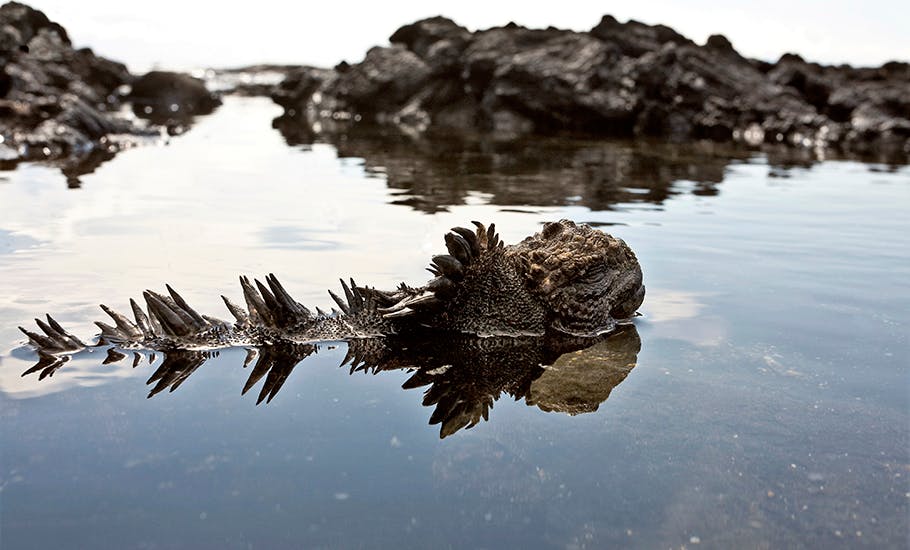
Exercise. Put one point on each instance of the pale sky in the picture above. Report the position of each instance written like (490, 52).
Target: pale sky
(186, 34)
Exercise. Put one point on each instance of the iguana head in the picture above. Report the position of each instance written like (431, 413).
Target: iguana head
(569, 278)
(586, 278)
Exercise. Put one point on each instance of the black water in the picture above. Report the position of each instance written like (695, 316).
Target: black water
(761, 401)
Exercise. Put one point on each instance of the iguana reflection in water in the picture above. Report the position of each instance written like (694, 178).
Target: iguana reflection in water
(462, 375)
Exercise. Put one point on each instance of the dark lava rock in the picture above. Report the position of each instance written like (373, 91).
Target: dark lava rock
(438, 41)
(63, 104)
(298, 83)
(57, 101)
(619, 79)
(528, 80)
(635, 39)
(384, 80)
(166, 97)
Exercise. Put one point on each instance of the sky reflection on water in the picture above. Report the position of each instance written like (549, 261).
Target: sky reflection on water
(768, 406)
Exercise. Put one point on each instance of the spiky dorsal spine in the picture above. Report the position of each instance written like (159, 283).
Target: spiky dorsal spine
(466, 247)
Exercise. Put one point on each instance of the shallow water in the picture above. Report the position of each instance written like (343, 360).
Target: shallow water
(768, 406)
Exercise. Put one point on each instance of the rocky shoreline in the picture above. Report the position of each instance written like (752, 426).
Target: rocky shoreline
(627, 80)
(619, 79)
(58, 103)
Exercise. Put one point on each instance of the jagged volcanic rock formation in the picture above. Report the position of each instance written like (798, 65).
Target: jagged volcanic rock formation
(618, 79)
(59, 102)
(56, 100)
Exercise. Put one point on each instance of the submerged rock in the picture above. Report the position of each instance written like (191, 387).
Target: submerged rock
(619, 79)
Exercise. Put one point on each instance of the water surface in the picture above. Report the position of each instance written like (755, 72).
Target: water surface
(768, 405)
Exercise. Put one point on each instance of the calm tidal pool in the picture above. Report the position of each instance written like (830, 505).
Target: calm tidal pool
(768, 406)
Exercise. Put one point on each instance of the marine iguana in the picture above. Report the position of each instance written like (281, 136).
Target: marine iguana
(567, 279)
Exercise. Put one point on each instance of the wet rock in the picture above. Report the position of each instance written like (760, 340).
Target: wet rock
(438, 41)
(549, 78)
(62, 104)
(382, 82)
(57, 101)
(635, 39)
(807, 79)
(21, 23)
(619, 79)
(168, 98)
(720, 43)
(298, 86)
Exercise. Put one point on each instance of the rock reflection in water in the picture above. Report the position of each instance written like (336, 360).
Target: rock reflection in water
(431, 174)
(463, 376)
(433, 171)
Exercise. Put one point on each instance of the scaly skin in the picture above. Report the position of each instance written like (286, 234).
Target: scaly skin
(568, 279)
